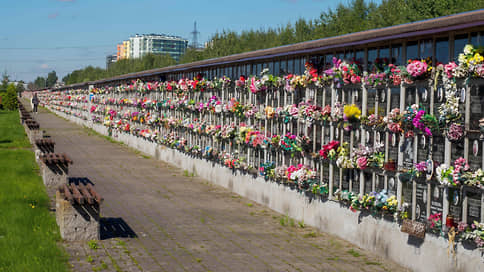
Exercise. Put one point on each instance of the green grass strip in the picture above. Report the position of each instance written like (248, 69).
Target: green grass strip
(29, 236)
(12, 134)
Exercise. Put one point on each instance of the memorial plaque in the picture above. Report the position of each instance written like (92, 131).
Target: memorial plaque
(392, 185)
(457, 150)
(368, 182)
(455, 204)
(346, 137)
(393, 153)
(407, 192)
(336, 177)
(424, 97)
(477, 104)
(346, 179)
(422, 149)
(327, 94)
(421, 203)
(395, 99)
(407, 149)
(355, 180)
(438, 150)
(409, 96)
(326, 173)
(371, 101)
(379, 183)
(436, 199)
(473, 207)
(475, 159)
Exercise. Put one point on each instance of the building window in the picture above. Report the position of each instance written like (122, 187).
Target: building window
(290, 66)
(426, 49)
(412, 50)
(277, 68)
(459, 42)
(384, 55)
(397, 54)
(442, 50)
(297, 66)
(372, 57)
(328, 61)
(283, 68)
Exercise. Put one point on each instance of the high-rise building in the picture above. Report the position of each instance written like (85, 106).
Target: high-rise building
(110, 59)
(140, 45)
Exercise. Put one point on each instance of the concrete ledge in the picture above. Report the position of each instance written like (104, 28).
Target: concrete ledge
(379, 235)
(53, 176)
(77, 222)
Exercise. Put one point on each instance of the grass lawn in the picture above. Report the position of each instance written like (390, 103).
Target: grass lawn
(12, 134)
(29, 236)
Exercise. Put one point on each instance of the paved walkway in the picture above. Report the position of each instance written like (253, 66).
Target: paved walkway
(159, 218)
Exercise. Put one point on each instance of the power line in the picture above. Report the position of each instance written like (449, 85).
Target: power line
(55, 48)
(51, 60)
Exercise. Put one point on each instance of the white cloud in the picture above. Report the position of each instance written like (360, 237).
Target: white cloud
(44, 66)
(53, 15)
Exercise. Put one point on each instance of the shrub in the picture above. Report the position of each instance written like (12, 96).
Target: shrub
(9, 98)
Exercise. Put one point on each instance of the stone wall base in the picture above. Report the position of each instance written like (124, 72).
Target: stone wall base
(378, 235)
(77, 222)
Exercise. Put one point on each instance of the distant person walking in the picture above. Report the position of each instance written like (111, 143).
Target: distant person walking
(35, 102)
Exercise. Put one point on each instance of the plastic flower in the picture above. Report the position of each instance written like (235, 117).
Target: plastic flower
(351, 112)
(362, 162)
(417, 68)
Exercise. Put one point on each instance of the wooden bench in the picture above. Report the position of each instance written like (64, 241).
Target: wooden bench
(33, 130)
(78, 208)
(45, 145)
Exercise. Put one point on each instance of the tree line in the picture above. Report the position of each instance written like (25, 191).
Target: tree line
(356, 15)
(124, 66)
(43, 82)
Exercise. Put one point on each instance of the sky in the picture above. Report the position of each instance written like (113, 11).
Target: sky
(39, 36)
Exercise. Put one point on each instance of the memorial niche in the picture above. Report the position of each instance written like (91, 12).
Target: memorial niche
(422, 148)
(379, 183)
(407, 192)
(473, 206)
(371, 101)
(421, 202)
(368, 182)
(345, 182)
(457, 150)
(424, 97)
(408, 150)
(475, 152)
(436, 198)
(395, 98)
(336, 179)
(354, 176)
(455, 204)
(438, 150)
(477, 104)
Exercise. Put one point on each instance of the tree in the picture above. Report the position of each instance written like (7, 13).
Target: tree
(20, 86)
(51, 79)
(40, 82)
(9, 99)
(4, 84)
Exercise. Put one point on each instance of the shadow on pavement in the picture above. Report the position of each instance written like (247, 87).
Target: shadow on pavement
(115, 228)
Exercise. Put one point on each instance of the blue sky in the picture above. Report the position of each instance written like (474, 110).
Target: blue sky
(38, 36)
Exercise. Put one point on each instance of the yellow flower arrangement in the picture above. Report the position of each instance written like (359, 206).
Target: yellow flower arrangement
(352, 112)
(476, 59)
(269, 112)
